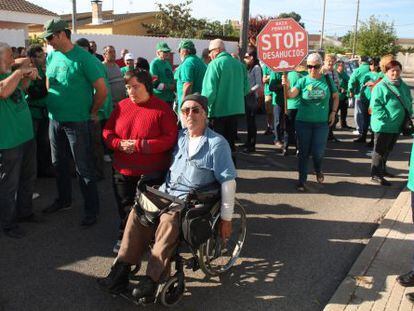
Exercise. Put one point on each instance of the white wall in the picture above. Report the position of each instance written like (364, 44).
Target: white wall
(407, 61)
(142, 46)
(13, 37)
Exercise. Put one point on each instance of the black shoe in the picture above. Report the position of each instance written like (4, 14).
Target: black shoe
(370, 144)
(117, 280)
(300, 187)
(346, 127)
(146, 289)
(249, 149)
(31, 219)
(88, 221)
(360, 140)
(268, 131)
(407, 279)
(14, 233)
(55, 207)
(388, 174)
(380, 181)
(410, 297)
(285, 152)
(334, 139)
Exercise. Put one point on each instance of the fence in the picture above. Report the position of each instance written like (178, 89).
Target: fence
(141, 46)
(13, 37)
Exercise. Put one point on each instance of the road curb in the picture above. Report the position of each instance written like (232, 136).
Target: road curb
(345, 293)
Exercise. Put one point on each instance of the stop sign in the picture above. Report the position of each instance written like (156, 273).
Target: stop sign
(282, 44)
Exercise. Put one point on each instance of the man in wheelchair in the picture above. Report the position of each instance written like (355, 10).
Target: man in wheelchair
(202, 158)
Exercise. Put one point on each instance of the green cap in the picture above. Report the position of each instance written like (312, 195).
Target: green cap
(163, 46)
(52, 26)
(186, 44)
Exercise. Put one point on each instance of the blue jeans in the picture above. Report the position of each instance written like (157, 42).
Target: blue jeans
(359, 115)
(311, 138)
(75, 138)
(17, 177)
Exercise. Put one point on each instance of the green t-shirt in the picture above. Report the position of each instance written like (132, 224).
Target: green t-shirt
(293, 77)
(38, 106)
(192, 70)
(106, 109)
(71, 76)
(266, 72)
(276, 81)
(371, 76)
(343, 84)
(16, 125)
(410, 184)
(314, 99)
(387, 112)
(161, 71)
(125, 69)
(355, 81)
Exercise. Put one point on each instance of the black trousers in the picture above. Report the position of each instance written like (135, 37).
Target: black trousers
(43, 154)
(227, 127)
(251, 109)
(383, 145)
(125, 191)
(343, 108)
(290, 132)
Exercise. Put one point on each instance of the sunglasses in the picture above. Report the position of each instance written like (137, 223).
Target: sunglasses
(313, 66)
(50, 38)
(186, 111)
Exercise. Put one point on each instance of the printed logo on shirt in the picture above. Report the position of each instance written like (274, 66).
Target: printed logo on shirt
(314, 93)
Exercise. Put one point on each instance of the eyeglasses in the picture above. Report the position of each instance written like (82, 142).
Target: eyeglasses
(186, 111)
(313, 66)
(50, 38)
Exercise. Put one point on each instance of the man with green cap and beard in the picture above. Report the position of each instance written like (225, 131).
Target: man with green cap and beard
(163, 77)
(190, 73)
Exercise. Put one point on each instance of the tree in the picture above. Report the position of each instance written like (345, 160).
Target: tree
(256, 24)
(293, 15)
(375, 38)
(331, 49)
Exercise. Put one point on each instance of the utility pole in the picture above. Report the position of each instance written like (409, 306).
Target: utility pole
(244, 28)
(356, 31)
(73, 16)
(323, 26)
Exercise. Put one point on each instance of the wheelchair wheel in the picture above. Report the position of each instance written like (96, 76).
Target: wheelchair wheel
(172, 292)
(217, 256)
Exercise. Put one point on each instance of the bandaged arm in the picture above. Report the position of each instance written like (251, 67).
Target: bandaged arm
(228, 193)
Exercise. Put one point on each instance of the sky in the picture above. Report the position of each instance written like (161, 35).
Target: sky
(340, 14)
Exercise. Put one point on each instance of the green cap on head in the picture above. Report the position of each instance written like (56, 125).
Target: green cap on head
(52, 26)
(163, 47)
(187, 45)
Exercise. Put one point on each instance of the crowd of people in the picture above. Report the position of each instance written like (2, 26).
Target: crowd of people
(76, 109)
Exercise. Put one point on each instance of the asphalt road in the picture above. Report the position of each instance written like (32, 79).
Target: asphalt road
(298, 249)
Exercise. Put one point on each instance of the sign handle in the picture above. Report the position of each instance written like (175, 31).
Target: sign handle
(284, 114)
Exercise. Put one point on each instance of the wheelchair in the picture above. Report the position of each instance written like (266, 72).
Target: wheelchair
(213, 257)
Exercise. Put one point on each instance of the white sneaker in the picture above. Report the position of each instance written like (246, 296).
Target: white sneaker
(117, 245)
(107, 158)
(356, 132)
(35, 195)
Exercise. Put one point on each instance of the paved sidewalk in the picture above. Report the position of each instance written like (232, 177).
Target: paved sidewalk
(371, 282)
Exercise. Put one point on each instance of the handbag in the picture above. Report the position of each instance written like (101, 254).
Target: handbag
(407, 127)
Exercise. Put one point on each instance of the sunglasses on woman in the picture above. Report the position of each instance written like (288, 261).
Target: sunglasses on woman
(313, 66)
(186, 111)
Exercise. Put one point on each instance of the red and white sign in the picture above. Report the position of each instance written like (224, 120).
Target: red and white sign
(282, 44)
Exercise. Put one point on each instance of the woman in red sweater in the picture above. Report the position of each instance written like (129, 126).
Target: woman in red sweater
(142, 130)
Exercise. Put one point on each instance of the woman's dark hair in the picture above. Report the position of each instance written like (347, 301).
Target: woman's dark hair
(142, 76)
(34, 49)
(393, 63)
(376, 63)
(142, 64)
(251, 51)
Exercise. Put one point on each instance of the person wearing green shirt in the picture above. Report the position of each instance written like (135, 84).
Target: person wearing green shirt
(267, 100)
(343, 91)
(368, 81)
(129, 63)
(390, 100)
(17, 146)
(278, 103)
(354, 87)
(77, 91)
(225, 84)
(190, 73)
(313, 118)
(162, 74)
(37, 99)
(289, 137)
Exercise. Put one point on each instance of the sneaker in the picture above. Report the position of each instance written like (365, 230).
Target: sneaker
(14, 233)
(269, 131)
(35, 195)
(356, 132)
(300, 187)
(380, 181)
(117, 246)
(55, 207)
(320, 177)
(278, 144)
(107, 158)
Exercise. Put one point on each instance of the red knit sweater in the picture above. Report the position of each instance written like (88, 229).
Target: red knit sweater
(153, 124)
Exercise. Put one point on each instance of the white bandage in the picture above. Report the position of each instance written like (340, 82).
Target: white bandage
(161, 87)
(228, 193)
